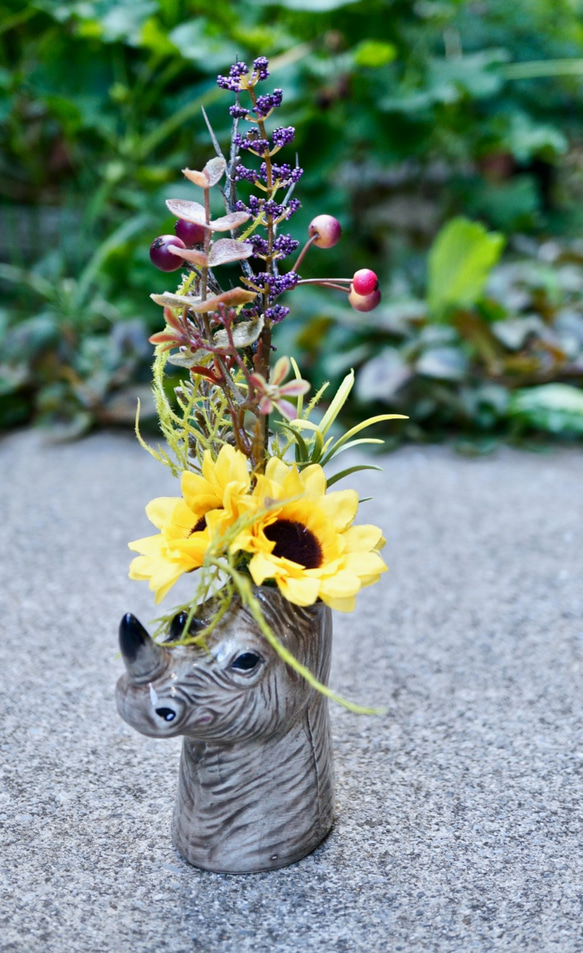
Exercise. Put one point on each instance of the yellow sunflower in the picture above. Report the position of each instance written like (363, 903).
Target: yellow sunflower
(188, 524)
(303, 538)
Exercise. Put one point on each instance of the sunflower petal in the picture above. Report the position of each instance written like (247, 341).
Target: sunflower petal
(363, 538)
(300, 591)
(340, 507)
(160, 510)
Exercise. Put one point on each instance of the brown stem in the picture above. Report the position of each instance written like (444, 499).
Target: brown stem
(325, 283)
(303, 252)
(262, 357)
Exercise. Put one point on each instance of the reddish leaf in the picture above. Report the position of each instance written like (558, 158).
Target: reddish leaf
(170, 300)
(198, 178)
(243, 334)
(162, 337)
(214, 170)
(189, 211)
(190, 254)
(228, 222)
(232, 298)
(228, 249)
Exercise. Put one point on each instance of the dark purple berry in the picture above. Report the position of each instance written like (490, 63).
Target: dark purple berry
(191, 233)
(162, 257)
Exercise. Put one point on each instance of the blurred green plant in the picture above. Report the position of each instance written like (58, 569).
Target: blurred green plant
(408, 116)
(483, 351)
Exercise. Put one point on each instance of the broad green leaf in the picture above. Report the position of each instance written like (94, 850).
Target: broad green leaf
(372, 54)
(476, 74)
(557, 408)
(444, 363)
(382, 376)
(196, 42)
(460, 261)
(529, 138)
(513, 332)
(312, 6)
(115, 240)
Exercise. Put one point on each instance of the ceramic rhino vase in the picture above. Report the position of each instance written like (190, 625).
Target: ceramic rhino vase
(255, 788)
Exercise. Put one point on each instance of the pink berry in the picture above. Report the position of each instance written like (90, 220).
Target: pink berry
(162, 257)
(191, 233)
(364, 302)
(365, 281)
(328, 230)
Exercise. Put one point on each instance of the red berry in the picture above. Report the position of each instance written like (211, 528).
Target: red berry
(191, 233)
(162, 257)
(364, 302)
(365, 281)
(327, 228)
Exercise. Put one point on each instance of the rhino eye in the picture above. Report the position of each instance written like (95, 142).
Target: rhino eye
(166, 713)
(246, 661)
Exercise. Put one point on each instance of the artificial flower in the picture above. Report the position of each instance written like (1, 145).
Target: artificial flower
(272, 394)
(189, 524)
(304, 538)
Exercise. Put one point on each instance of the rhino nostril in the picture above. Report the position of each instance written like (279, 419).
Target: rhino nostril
(166, 713)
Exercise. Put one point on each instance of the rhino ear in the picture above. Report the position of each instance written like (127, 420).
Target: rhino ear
(143, 658)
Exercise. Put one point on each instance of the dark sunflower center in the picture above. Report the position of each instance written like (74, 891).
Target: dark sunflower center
(296, 542)
(198, 527)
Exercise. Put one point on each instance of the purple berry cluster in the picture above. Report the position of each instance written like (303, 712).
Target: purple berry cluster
(264, 105)
(241, 77)
(284, 174)
(263, 214)
(265, 211)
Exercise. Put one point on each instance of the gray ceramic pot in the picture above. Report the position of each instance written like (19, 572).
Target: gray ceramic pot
(256, 786)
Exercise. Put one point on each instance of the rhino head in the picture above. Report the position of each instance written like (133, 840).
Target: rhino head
(234, 688)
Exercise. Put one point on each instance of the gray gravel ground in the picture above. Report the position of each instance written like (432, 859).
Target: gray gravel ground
(459, 813)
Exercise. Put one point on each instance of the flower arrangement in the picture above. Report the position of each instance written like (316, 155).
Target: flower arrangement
(247, 514)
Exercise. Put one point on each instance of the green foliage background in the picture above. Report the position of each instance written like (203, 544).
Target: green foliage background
(412, 119)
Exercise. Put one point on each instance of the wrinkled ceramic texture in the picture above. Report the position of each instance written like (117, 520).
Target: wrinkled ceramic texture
(255, 790)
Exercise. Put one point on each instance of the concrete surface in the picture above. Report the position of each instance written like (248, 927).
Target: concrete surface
(459, 814)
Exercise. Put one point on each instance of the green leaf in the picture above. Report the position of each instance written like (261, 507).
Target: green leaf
(312, 6)
(302, 449)
(460, 261)
(115, 240)
(195, 42)
(337, 404)
(383, 376)
(444, 363)
(374, 53)
(356, 429)
(476, 74)
(514, 332)
(556, 408)
(125, 20)
(344, 473)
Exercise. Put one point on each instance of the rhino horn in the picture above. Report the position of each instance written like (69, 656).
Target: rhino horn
(143, 658)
